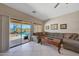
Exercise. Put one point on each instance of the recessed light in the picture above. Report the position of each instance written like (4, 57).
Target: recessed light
(33, 11)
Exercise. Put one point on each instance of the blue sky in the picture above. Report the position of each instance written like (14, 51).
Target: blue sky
(19, 26)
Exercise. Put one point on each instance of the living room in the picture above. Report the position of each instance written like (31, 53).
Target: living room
(53, 25)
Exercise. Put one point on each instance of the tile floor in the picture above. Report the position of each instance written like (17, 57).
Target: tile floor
(35, 49)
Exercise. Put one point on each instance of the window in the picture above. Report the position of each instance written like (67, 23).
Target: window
(37, 28)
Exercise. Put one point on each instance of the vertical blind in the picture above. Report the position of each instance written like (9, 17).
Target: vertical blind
(37, 28)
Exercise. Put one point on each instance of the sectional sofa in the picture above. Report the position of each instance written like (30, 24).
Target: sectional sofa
(70, 40)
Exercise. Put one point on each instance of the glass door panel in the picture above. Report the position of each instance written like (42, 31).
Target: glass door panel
(26, 32)
(15, 36)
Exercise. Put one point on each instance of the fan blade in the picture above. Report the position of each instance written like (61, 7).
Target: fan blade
(56, 5)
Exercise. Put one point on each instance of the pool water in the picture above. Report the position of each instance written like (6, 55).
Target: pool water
(25, 34)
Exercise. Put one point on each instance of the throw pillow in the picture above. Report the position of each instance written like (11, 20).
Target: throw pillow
(74, 36)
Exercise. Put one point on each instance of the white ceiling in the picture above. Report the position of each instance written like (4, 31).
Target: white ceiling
(45, 11)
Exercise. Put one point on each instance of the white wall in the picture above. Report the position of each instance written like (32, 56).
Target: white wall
(72, 21)
(4, 33)
(0, 33)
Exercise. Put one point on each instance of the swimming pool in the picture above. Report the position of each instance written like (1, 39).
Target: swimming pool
(24, 34)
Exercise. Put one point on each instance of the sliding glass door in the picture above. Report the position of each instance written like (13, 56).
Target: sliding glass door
(19, 32)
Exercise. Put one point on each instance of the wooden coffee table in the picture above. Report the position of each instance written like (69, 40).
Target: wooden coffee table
(57, 42)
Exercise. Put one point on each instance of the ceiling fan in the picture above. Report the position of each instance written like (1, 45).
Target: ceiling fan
(58, 5)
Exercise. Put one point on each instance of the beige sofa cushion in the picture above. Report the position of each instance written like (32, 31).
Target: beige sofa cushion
(71, 42)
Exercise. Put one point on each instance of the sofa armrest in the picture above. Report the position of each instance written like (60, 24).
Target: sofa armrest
(71, 42)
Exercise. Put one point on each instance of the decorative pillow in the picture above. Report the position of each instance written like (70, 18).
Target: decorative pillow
(71, 36)
(77, 38)
(74, 36)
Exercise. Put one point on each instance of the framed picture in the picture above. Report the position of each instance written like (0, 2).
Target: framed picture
(54, 26)
(47, 27)
(63, 26)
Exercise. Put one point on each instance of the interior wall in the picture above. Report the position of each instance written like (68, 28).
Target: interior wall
(4, 31)
(72, 21)
(0, 33)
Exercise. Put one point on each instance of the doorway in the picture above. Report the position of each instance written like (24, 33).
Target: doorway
(20, 32)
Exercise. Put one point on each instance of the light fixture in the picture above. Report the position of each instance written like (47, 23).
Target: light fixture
(33, 11)
(57, 4)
